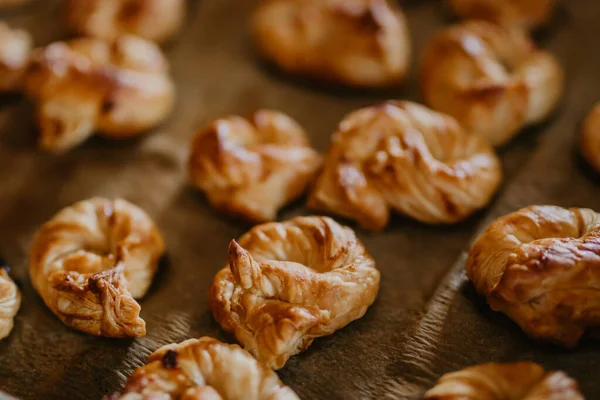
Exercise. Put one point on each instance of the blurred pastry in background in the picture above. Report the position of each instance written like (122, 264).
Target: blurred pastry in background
(251, 167)
(405, 157)
(119, 89)
(92, 260)
(589, 141)
(362, 43)
(156, 20)
(289, 283)
(527, 14)
(492, 79)
(15, 49)
(10, 301)
(204, 369)
(541, 266)
(510, 381)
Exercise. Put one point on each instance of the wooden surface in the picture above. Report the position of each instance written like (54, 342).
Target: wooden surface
(427, 319)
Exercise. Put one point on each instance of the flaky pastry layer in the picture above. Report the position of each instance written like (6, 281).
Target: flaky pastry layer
(91, 260)
(10, 301)
(405, 157)
(291, 282)
(491, 78)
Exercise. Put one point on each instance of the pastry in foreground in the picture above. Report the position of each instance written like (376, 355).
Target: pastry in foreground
(589, 141)
(251, 167)
(405, 157)
(91, 260)
(527, 14)
(15, 49)
(156, 20)
(363, 43)
(491, 78)
(10, 301)
(204, 369)
(291, 282)
(541, 267)
(511, 381)
(120, 89)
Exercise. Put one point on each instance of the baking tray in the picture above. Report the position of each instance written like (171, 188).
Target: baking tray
(427, 319)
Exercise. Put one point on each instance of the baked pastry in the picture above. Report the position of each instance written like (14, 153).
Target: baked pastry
(589, 142)
(491, 78)
(541, 266)
(513, 381)
(291, 282)
(204, 369)
(364, 43)
(156, 20)
(252, 167)
(15, 49)
(10, 301)
(120, 89)
(528, 14)
(91, 260)
(403, 156)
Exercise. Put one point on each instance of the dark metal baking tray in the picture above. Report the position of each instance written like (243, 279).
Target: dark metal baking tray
(427, 319)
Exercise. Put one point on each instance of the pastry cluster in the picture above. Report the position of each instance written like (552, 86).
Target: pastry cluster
(288, 283)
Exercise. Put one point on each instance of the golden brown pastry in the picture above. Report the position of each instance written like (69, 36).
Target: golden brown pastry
(541, 267)
(204, 369)
(91, 260)
(289, 283)
(514, 381)
(10, 301)
(120, 89)
(528, 14)
(405, 157)
(361, 43)
(491, 78)
(15, 49)
(252, 167)
(156, 20)
(589, 142)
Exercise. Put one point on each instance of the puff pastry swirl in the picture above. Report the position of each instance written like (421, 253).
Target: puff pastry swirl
(514, 381)
(10, 301)
(91, 260)
(491, 78)
(15, 50)
(541, 267)
(120, 89)
(403, 156)
(289, 283)
(362, 43)
(252, 167)
(528, 14)
(204, 369)
(155, 20)
(589, 142)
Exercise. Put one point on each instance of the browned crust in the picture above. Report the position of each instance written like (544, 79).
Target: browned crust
(251, 167)
(227, 371)
(289, 283)
(156, 20)
(362, 43)
(515, 381)
(528, 14)
(90, 261)
(404, 157)
(541, 266)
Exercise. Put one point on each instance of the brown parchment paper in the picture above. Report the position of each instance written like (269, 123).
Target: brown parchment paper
(427, 319)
